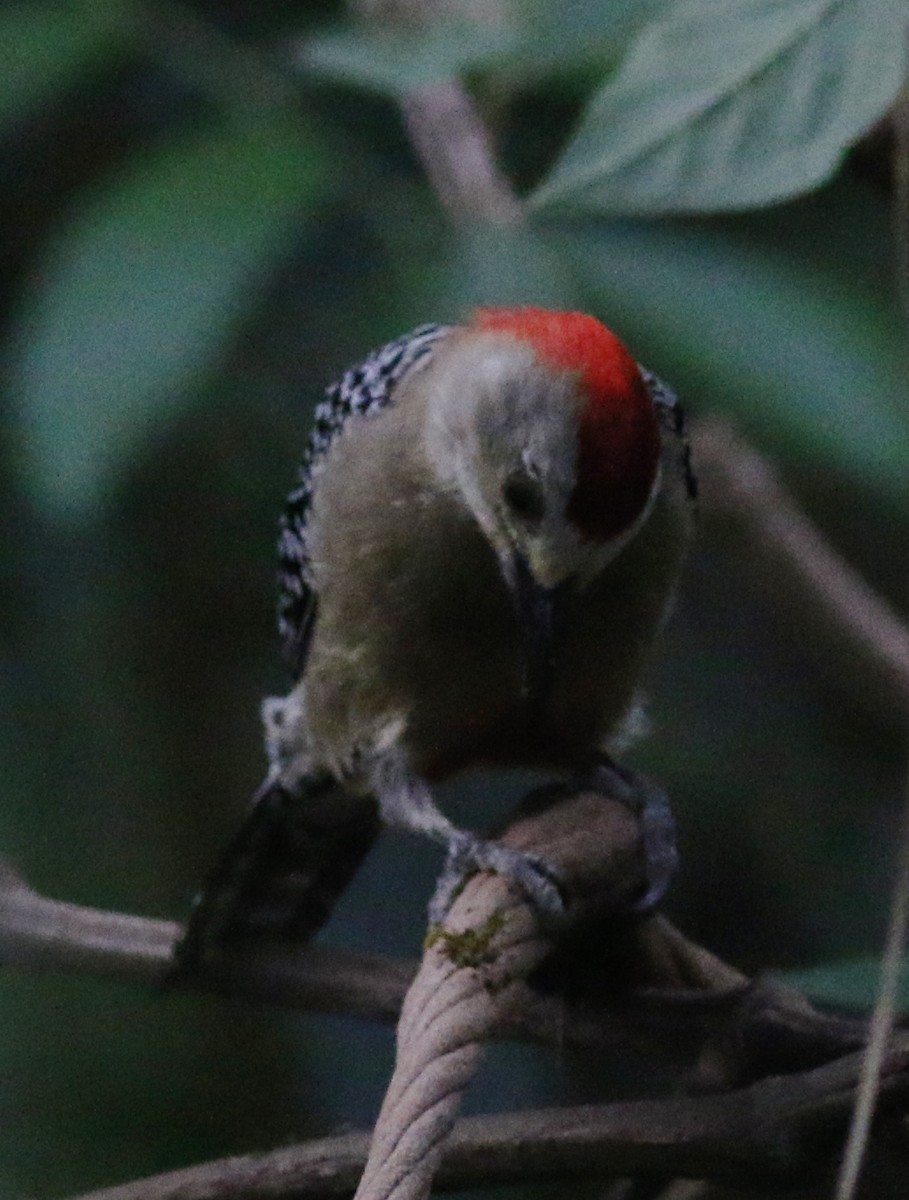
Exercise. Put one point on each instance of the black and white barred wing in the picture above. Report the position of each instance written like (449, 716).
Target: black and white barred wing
(364, 389)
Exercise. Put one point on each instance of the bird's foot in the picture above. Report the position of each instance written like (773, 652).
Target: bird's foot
(650, 805)
(468, 854)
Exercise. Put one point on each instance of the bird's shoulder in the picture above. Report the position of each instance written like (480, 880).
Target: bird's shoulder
(673, 421)
(363, 390)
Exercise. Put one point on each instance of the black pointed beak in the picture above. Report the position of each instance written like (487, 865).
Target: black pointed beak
(539, 611)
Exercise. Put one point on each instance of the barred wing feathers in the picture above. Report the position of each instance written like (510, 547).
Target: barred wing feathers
(365, 389)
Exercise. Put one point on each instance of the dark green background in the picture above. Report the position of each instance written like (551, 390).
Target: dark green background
(196, 238)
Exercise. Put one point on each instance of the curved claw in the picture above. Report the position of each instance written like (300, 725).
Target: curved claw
(659, 837)
(650, 804)
(467, 854)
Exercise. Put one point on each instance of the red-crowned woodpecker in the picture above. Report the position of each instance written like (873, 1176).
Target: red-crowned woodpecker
(486, 535)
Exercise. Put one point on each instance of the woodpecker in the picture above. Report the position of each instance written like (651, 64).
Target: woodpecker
(488, 528)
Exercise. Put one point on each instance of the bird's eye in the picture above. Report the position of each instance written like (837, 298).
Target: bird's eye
(523, 494)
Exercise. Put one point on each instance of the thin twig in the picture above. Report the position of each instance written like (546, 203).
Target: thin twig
(882, 1018)
(38, 932)
(744, 483)
(453, 146)
(446, 132)
(749, 487)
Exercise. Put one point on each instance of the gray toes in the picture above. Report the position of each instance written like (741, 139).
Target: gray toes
(539, 880)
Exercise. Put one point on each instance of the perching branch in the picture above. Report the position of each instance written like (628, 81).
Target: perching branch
(644, 983)
(474, 970)
(775, 1131)
(43, 933)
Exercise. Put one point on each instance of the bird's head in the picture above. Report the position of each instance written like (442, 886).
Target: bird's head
(543, 424)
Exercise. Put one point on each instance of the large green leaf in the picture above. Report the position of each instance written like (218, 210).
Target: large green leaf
(725, 104)
(139, 290)
(557, 36)
(808, 355)
(45, 47)
(570, 36)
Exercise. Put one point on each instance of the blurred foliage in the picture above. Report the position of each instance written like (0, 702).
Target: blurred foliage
(719, 106)
(210, 208)
(850, 984)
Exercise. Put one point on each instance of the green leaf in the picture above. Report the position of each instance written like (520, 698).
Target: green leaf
(852, 984)
(432, 270)
(807, 356)
(140, 289)
(503, 265)
(46, 47)
(572, 33)
(725, 104)
(396, 60)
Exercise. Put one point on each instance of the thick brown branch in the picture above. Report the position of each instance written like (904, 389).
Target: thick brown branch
(672, 994)
(776, 1129)
(643, 980)
(38, 932)
(581, 1004)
